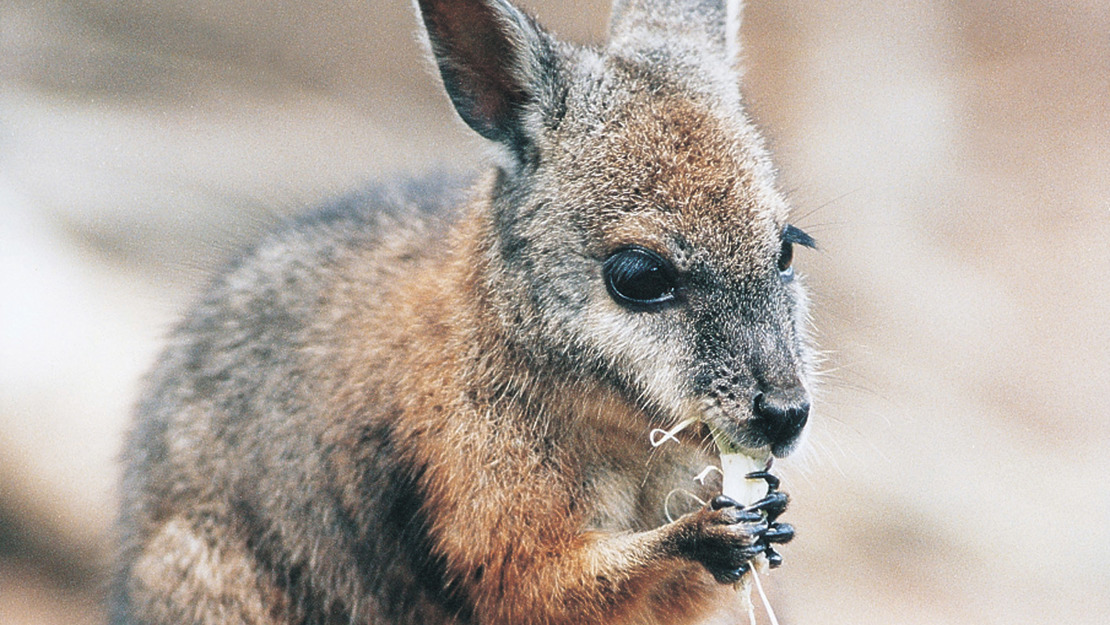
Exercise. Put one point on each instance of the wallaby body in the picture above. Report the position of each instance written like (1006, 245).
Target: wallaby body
(431, 404)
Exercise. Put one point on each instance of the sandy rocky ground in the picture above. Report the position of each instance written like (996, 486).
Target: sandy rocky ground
(953, 159)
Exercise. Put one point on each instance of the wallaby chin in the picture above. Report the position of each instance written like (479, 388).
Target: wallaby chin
(432, 405)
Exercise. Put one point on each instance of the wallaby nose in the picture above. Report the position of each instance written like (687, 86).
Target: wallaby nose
(780, 418)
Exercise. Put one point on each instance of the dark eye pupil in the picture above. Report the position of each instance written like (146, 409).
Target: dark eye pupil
(786, 256)
(636, 276)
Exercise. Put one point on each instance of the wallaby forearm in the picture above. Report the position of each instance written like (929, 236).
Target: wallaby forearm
(599, 578)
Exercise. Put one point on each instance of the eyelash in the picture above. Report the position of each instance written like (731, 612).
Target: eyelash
(791, 235)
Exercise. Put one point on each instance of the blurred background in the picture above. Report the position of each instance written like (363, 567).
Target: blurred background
(951, 157)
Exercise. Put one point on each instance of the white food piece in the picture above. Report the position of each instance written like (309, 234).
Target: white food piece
(736, 463)
(734, 466)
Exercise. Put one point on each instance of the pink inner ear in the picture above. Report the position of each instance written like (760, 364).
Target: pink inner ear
(489, 106)
(476, 49)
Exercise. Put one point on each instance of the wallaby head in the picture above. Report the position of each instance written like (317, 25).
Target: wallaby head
(635, 235)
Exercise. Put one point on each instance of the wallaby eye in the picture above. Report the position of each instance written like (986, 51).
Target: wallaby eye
(637, 277)
(790, 236)
(786, 260)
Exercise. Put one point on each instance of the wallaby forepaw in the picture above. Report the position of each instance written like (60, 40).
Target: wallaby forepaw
(724, 536)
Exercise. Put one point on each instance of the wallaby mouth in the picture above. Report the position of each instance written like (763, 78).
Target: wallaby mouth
(761, 457)
(772, 428)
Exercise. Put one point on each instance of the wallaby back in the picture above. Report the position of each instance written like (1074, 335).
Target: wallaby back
(431, 405)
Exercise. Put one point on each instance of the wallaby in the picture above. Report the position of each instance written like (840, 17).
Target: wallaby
(431, 403)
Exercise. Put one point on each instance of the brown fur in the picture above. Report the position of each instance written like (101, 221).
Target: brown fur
(390, 412)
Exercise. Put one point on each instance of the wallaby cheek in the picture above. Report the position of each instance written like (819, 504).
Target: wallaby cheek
(653, 362)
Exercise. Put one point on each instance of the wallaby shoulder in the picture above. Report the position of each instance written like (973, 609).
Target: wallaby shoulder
(243, 431)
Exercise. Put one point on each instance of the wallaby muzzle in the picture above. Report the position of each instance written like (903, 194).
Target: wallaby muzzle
(779, 416)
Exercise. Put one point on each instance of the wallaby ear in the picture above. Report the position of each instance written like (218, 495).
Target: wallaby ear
(493, 61)
(711, 23)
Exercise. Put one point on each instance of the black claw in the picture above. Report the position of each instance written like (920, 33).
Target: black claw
(757, 532)
(724, 501)
(774, 560)
(779, 533)
(732, 575)
(733, 516)
(750, 516)
(773, 504)
(772, 481)
(754, 550)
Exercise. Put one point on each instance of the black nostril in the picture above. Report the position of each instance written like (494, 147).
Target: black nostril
(779, 421)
